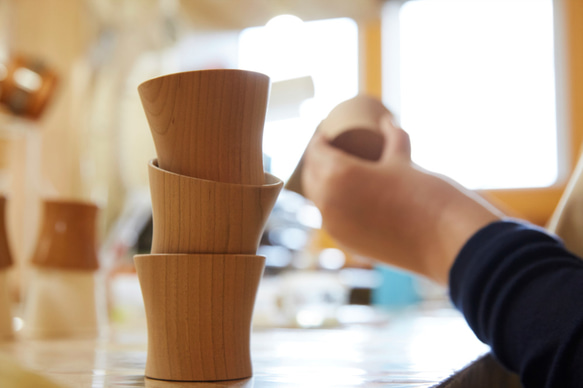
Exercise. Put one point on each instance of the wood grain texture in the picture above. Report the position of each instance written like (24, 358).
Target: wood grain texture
(5, 255)
(193, 215)
(209, 124)
(6, 332)
(567, 220)
(354, 127)
(486, 372)
(67, 236)
(199, 310)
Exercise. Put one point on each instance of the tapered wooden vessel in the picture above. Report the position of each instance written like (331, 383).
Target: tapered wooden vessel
(61, 304)
(6, 331)
(199, 309)
(192, 215)
(5, 255)
(353, 126)
(67, 238)
(209, 124)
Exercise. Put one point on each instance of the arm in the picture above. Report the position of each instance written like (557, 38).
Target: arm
(392, 210)
(517, 286)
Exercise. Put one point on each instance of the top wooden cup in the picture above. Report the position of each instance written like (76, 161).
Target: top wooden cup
(208, 124)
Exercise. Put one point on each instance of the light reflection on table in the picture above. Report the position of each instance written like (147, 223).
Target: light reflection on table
(418, 348)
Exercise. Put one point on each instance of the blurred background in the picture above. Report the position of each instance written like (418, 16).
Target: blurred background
(489, 90)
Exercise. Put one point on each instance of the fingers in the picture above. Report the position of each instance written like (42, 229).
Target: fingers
(324, 166)
(320, 153)
(397, 142)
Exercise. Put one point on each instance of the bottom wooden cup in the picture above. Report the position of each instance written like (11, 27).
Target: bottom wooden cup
(199, 309)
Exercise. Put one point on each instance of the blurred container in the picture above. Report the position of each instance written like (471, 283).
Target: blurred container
(397, 288)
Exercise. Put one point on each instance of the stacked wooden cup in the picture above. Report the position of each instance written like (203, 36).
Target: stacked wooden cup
(210, 202)
(5, 264)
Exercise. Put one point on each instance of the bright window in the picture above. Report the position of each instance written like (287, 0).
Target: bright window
(473, 82)
(325, 54)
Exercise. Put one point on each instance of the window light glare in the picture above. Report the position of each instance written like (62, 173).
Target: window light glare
(477, 90)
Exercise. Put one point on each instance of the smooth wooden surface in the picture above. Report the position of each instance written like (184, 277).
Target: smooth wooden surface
(61, 304)
(5, 307)
(354, 127)
(209, 124)
(414, 349)
(67, 236)
(483, 373)
(567, 220)
(5, 255)
(193, 215)
(199, 310)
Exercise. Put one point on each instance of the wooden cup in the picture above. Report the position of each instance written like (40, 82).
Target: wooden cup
(5, 256)
(354, 127)
(67, 237)
(192, 215)
(199, 309)
(209, 124)
(6, 331)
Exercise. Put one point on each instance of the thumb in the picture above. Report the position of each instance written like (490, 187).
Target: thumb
(397, 143)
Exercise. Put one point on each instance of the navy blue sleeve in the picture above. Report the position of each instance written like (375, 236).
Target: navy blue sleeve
(521, 292)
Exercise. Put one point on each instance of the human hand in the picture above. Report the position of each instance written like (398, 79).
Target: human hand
(390, 209)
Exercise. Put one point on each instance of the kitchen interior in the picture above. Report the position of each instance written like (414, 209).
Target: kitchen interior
(488, 91)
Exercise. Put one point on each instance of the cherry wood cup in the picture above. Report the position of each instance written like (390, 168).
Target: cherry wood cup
(209, 124)
(192, 215)
(199, 310)
(68, 236)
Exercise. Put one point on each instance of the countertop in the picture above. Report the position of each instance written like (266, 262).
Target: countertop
(415, 348)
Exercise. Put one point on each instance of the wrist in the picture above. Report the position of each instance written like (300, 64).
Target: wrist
(463, 214)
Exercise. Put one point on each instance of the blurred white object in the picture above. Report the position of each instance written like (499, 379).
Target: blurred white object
(63, 303)
(287, 96)
(311, 299)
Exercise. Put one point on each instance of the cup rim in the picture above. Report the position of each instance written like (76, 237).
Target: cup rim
(271, 180)
(182, 73)
(208, 256)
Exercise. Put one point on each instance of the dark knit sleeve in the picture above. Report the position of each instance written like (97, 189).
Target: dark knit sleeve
(521, 292)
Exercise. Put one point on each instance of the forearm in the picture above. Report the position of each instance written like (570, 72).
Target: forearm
(454, 214)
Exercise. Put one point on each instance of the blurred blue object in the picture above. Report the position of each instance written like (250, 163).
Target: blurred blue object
(397, 288)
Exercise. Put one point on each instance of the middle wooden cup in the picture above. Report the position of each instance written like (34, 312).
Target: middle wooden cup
(192, 215)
